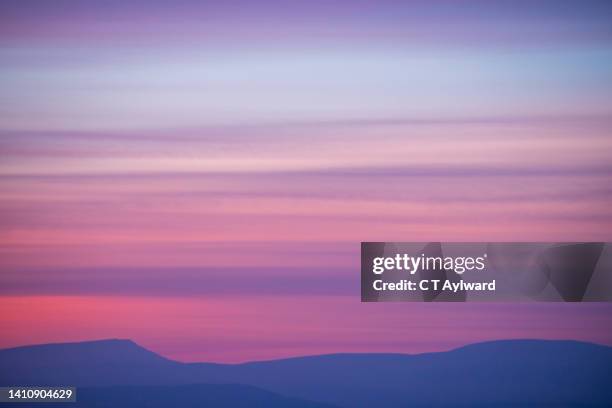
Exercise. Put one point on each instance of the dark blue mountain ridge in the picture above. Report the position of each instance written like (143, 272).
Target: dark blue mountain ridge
(110, 350)
(507, 372)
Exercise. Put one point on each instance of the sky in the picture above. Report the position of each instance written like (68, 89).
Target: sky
(197, 176)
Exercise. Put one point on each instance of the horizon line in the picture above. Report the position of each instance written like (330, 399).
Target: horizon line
(139, 346)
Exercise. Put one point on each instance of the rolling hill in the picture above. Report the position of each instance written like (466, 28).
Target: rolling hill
(499, 373)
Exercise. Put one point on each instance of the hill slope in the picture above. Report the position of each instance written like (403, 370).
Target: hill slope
(495, 373)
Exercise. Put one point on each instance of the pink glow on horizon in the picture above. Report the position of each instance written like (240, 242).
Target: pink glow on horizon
(246, 328)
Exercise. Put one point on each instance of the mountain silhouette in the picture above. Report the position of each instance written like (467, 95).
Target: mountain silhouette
(498, 373)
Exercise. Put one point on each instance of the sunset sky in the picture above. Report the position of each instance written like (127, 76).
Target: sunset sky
(197, 176)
